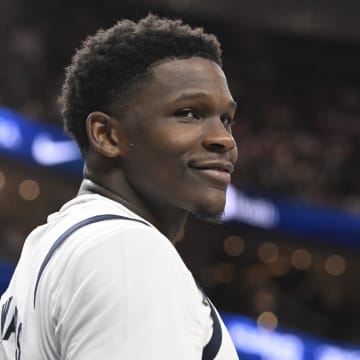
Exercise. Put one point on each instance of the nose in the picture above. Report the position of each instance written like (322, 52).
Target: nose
(218, 138)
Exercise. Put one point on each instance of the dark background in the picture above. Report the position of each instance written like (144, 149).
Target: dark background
(293, 68)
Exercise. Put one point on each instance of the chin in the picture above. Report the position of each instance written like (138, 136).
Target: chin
(211, 214)
(211, 207)
(203, 214)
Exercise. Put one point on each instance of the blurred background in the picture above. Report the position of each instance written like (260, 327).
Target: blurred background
(284, 266)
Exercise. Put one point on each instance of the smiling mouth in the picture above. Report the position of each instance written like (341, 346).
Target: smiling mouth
(216, 165)
(212, 168)
(219, 173)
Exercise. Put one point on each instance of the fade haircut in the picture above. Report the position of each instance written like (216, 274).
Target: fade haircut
(110, 64)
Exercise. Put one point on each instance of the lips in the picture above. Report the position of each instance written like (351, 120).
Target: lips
(214, 171)
(223, 166)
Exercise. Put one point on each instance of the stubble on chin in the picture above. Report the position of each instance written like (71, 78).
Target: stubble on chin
(208, 216)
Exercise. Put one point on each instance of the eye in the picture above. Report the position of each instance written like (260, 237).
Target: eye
(227, 120)
(187, 113)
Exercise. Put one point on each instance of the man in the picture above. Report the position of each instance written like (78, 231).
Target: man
(150, 108)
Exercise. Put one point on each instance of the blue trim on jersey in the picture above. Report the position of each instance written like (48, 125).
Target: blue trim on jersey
(68, 232)
(212, 347)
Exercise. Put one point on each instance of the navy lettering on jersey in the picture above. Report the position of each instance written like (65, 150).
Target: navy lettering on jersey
(4, 312)
(14, 326)
(18, 346)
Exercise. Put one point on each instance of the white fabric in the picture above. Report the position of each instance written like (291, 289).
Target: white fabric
(116, 289)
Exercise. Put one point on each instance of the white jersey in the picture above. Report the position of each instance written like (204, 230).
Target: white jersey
(114, 290)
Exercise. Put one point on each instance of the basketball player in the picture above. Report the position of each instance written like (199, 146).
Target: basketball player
(150, 108)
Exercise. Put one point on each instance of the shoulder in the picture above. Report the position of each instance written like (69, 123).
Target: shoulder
(112, 245)
(122, 235)
(95, 221)
(118, 260)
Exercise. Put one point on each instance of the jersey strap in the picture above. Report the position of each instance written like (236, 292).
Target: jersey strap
(212, 347)
(69, 231)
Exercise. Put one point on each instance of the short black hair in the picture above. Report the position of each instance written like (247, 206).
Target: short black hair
(110, 63)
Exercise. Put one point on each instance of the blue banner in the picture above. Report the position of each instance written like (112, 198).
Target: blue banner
(38, 143)
(49, 146)
(322, 224)
(255, 343)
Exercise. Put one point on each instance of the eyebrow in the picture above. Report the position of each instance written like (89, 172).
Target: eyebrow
(200, 95)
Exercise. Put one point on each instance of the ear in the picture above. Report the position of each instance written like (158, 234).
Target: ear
(105, 135)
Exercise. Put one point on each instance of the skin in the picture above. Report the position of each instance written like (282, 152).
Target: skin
(171, 151)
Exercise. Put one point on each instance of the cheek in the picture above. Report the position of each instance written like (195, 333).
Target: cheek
(174, 137)
(157, 166)
(167, 149)
(161, 153)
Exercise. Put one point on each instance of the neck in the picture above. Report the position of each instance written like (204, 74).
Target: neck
(170, 222)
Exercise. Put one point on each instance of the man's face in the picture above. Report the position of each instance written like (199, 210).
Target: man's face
(179, 123)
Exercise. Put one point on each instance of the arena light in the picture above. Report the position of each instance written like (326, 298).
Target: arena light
(48, 152)
(37, 142)
(254, 211)
(10, 134)
(253, 342)
(324, 224)
(330, 352)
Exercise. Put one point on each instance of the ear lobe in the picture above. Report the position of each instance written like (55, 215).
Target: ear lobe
(103, 132)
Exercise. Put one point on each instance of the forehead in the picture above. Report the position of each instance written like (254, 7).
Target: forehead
(176, 77)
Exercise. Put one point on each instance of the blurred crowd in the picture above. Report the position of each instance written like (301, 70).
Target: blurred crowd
(304, 147)
(298, 133)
